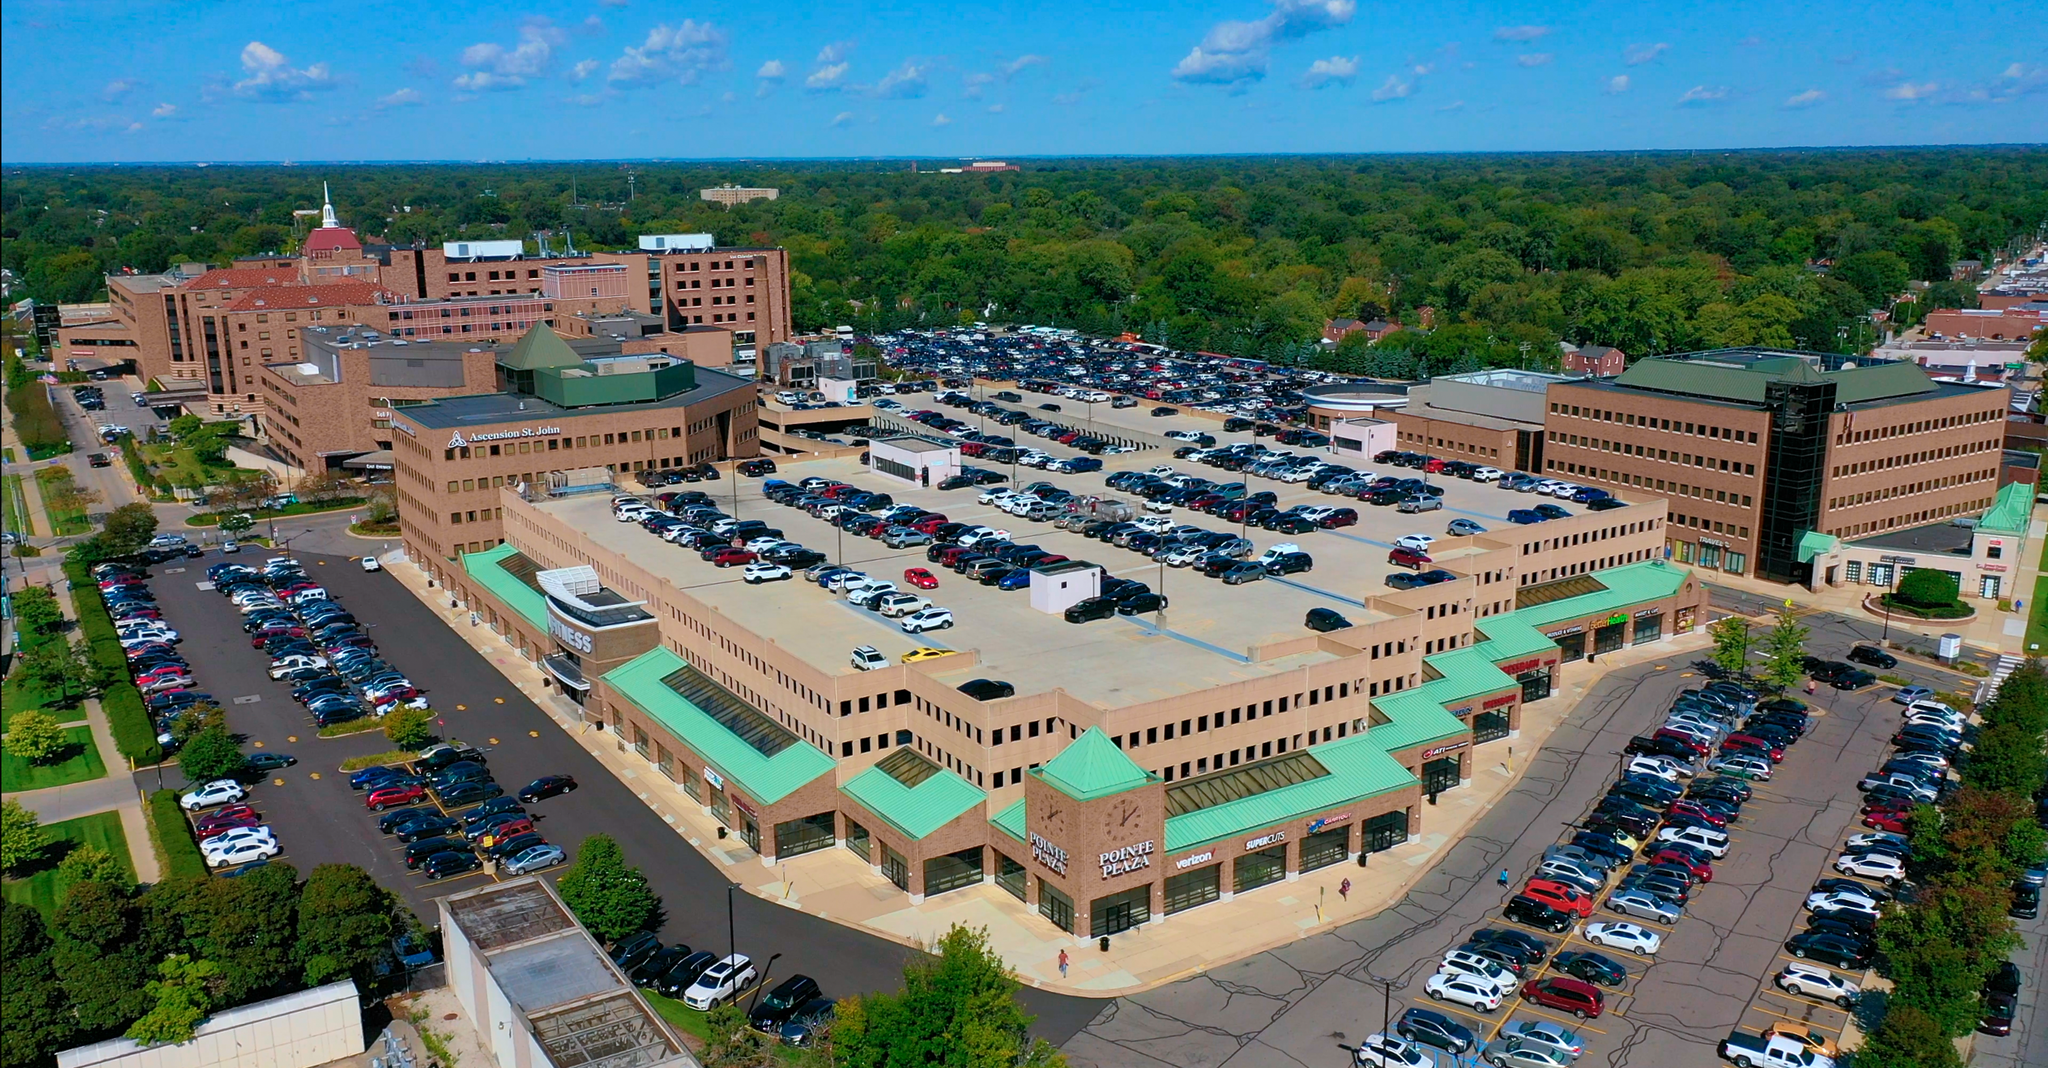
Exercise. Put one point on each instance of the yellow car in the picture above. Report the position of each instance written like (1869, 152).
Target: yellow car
(925, 652)
(1813, 1040)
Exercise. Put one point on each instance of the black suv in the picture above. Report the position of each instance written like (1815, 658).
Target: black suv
(1534, 913)
(987, 689)
(1091, 609)
(781, 1003)
(1875, 657)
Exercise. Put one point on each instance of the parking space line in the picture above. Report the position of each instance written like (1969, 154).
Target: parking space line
(1318, 592)
(1177, 636)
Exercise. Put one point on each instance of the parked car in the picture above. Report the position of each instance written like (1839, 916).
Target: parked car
(720, 982)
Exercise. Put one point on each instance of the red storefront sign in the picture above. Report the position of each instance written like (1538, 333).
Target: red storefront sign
(1497, 702)
(1520, 666)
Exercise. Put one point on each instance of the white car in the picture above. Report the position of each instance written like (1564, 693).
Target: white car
(868, 658)
(1841, 899)
(217, 792)
(1663, 768)
(1469, 991)
(720, 982)
(1861, 842)
(1383, 1051)
(869, 592)
(926, 619)
(1462, 962)
(846, 580)
(230, 545)
(1712, 843)
(1925, 705)
(900, 603)
(285, 666)
(369, 562)
(1746, 765)
(1632, 937)
(1818, 982)
(1486, 474)
(1880, 866)
(759, 572)
(240, 836)
(764, 543)
(244, 853)
(1419, 543)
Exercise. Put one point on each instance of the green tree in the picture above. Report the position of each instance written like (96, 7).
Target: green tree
(196, 720)
(346, 923)
(35, 1016)
(236, 523)
(1908, 1038)
(1927, 588)
(181, 997)
(1731, 643)
(184, 426)
(103, 956)
(609, 896)
(36, 611)
(128, 529)
(1784, 648)
(88, 863)
(409, 728)
(23, 842)
(212, 754)
(55, 667)
(36, 737)
(1943, 947)
(247, 927)
(957, 1008)
(731, 1042)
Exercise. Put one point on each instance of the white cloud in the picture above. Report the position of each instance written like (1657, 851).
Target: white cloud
(1751, 41)
(995, 109)
(1393, 89)
(133, 127)
(1910, 91)
(1703, 94)
(1234, 51)
(164, 111)
(121, 87)
(834, 52)
(613, 3)
(1332, 71)
(584, 69)
(1521, 34)
(773, 69)
(588, 100)
(496, 67)
(1534, 59)
(1637, 55)
(683, 53)
(941, 120)
(827, 77)
(1616, 85)
(270, 76)
(1455, 105)
(1806, 99)
(906, 82)
(843, 118)
(1016, 66)
(402, 98)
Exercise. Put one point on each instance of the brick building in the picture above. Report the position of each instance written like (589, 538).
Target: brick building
(1600, 361)
(555, 412)
(1757, 449)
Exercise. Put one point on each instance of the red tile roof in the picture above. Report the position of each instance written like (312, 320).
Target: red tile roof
(243, 278)
(331, 238)
(321, 296)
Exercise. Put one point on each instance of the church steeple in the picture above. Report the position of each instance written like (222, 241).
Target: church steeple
(327, 218)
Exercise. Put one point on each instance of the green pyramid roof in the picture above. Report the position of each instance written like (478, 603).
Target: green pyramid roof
(1093, 766)
(2013, 510)
(540, 347)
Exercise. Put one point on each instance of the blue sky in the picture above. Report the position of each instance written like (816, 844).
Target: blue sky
(95, 80)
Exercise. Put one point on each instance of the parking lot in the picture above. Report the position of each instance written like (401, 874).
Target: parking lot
(319, 820)
(1307, 1003)
(1204, 638)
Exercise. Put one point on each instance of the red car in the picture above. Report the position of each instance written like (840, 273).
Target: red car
(214, 827)
(1699, 868)
(257, 639)
(1342, 517)
(1559, 896)
(168, 671)
(1581, 999)
(929, 524)
(727, 557)
(1408, 558)
(1892, 805)
(228, 812)
(921, 578)
(1886, 820)
(393, 796)
(1698, 748)
(1753, 744)
(1687, 808)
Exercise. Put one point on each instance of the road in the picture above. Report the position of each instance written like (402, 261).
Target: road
(1306, 1003)
(320, 820)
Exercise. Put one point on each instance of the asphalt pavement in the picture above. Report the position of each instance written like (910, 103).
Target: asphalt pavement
(320, 820)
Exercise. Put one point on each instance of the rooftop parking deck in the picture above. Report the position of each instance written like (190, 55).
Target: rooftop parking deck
(1210, 635)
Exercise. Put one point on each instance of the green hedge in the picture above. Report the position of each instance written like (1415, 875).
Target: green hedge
(41, 431)
(173, 834)
(127, 718)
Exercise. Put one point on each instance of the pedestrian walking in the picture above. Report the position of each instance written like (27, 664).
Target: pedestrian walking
(1503, 877)
(1063, 964)
(1809, 684)
(1344, 889)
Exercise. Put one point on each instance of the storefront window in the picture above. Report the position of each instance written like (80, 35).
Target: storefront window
(1682, 551)
(1010, 876)
(1385, 831)
(1535, 684)
(1119, 912)
(1571, 646)
(952, 871)
(807, 835)
(1649, 628)
(640, 741)
(895, 868)
(1489, 726)
(692, 785)
(1609, 638)
(665, 760)
(1192, 888)
(1055, 906)
(1257, 869)
(857, 840)
(1880, 574)
(1324, 848)
(1853, 571)
(1736, 563)
(750, 831)
(1440, 775)
(1710, 556)
(720, 807)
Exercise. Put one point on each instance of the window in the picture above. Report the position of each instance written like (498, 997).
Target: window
(1055, 906)
(952, 871)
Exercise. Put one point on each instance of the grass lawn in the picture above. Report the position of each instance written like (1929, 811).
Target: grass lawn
(44, 889)
(2037, 616)
(84, 763)
(694, 1024)
(339, 504)
(180, 466)
(65, 522)
(17, 518)
(16, 696)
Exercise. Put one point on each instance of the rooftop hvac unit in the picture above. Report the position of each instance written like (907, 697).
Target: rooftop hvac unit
(676, 242)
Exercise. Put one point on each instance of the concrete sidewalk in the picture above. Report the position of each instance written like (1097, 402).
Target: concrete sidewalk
(835, 884)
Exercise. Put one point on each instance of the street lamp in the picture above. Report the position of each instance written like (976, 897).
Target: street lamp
(767, 970)
(1893, 565)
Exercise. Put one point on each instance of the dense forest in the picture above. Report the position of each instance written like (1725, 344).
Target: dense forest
(1649, 252)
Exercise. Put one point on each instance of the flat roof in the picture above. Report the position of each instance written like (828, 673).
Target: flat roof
(485, 409)
(1943, 537)
(913, 444)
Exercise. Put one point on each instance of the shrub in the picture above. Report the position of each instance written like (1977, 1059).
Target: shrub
(35, 737)
(172, 833)
(121, 701)
(409, 728)
(1926, 588)
(22, 839)
(212, 754)
(88, 863)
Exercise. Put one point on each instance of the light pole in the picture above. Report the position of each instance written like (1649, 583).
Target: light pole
(767, 970)
(1893, 564)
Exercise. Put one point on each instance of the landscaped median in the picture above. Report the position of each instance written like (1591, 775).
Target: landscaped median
(171, 833)
(127, 719)
(339, 504)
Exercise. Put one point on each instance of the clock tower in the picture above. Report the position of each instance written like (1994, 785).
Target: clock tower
(1095, 828)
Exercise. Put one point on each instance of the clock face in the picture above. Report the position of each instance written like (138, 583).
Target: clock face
(1120, 819)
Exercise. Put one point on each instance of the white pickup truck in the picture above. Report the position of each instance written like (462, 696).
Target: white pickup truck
(1778, 1051)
